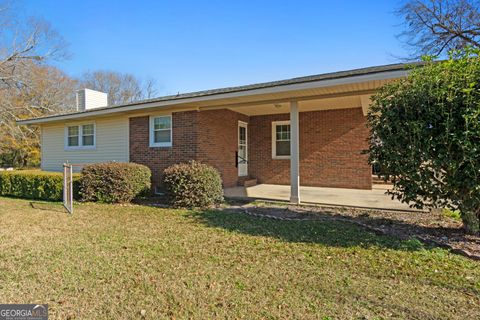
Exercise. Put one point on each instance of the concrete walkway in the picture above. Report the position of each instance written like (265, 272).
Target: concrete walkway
(375, 198)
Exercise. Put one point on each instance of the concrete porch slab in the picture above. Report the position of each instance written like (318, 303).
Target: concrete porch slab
(375, 198)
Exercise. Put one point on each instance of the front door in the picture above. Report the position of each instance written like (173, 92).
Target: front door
(242, 150)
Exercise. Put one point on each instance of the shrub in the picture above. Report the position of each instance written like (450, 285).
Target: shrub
(34, 184)
(425, 134)
(114, 182)
(193, 184)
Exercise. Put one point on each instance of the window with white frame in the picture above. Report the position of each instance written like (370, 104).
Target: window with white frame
(281, 139)
(80, 136)
(73, 137)
(88, 135)
(161, 131)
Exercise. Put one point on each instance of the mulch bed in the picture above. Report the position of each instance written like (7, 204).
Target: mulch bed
(430, 227)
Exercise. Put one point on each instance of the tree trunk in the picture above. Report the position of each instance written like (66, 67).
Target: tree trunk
(471, 221)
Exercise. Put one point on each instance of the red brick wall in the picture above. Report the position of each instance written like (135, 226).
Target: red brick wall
(218, 142)
(206, 136)
(331, 144)
(184, 133)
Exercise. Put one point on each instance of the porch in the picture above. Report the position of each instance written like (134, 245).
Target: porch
(315, 137)
(319, 143)
(372, 199)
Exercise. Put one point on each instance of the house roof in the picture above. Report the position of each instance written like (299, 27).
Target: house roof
(214, 93)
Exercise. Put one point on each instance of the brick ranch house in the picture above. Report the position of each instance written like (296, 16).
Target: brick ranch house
(308, 130)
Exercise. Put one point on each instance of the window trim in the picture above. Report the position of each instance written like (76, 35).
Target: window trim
(80, 136)
(67, 136)
(274, 138)
(152, 142)
(83, 134)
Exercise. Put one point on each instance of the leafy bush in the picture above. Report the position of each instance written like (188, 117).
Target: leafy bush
(425, 134)
(114, 182)
(34, 184)
(193, 184)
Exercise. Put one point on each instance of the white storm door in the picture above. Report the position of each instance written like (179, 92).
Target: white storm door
(242, 150)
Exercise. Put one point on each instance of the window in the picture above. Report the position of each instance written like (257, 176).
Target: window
(281, 139)
(161, 131)
(159, 191)
(73, 137)
(80, 136)
(88, 135)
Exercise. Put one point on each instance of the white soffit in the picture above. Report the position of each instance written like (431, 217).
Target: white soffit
(229, 99)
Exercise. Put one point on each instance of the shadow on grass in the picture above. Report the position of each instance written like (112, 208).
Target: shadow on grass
(326, 232)
(48, 206)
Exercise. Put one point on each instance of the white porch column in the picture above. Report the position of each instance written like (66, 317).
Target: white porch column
(294, 154)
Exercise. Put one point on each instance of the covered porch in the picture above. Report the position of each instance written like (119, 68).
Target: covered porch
(342, 197)
(290, 147)
(301, 140)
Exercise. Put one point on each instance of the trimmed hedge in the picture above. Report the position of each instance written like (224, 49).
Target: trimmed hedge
(192, 185)
(114, 182)
(34, 184)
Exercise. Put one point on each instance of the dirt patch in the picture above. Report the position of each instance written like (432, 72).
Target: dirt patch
(431, 227)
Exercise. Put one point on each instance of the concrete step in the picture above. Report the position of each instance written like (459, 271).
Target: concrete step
(250, 183)
(247, 181)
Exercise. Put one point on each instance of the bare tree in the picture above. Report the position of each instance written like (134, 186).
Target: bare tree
(433, 27)
(28, 87)
(49, 91)
(121, 87)
(149, 88)
(24, 41)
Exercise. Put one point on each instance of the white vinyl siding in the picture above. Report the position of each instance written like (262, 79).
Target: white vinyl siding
(90, 99)
(111, 143)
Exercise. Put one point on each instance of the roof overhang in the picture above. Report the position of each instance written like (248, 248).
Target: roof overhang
(230, 97)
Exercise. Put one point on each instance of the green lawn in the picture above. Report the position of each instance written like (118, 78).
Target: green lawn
(114, 261)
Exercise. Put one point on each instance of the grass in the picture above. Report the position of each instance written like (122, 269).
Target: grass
(112, 262)
(454, 214)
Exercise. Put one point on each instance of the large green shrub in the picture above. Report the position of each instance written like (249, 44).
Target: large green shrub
(114, 182)
(425, 134)
(193, 184)
(34, 184)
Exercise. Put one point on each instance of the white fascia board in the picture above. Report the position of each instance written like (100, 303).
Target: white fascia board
(251, 92)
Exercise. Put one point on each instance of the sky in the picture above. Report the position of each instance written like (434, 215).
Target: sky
(195, 45)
